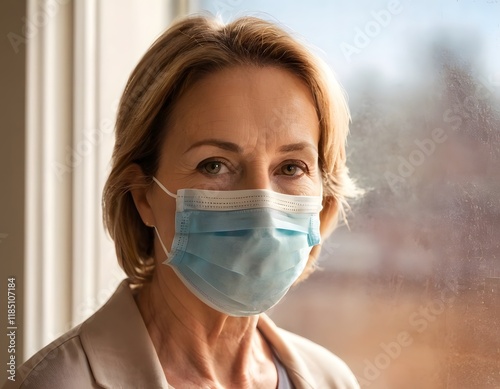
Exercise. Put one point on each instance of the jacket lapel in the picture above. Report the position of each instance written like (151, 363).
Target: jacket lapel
(297, 371)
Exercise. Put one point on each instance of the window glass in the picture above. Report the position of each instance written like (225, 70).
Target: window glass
(409, 295)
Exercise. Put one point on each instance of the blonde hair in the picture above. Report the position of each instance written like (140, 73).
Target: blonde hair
(187, 51)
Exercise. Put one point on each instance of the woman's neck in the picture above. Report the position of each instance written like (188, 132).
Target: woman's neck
(199, 346)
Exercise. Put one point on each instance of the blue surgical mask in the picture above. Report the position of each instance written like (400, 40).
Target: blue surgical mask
(240, 251)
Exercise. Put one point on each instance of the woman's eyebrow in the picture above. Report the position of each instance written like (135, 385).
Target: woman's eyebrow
(229, 146)
(297, 147)
(233, 147)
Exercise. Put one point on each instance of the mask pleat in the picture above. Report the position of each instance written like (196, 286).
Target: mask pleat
(231, 288)
(212, 221)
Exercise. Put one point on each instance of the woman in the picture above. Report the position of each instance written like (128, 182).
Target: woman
(228, 170)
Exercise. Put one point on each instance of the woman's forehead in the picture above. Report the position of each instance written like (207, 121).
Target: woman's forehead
(245, 102)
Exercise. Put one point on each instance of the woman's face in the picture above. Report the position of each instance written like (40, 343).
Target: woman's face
(239, 128)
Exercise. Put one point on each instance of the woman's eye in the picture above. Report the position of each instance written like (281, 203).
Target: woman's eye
(212, 167)
(293, 169)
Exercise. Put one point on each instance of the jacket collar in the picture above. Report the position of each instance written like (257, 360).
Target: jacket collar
(122, 355)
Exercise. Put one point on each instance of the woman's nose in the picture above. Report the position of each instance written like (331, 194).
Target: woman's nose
(256, 178)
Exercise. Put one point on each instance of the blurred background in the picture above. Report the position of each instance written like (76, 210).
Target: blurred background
(408, 295)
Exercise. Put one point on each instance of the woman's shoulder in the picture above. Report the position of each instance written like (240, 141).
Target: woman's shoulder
(111, 348)
(55, 365)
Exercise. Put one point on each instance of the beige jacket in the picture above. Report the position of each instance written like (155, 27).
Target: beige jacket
(112, 349)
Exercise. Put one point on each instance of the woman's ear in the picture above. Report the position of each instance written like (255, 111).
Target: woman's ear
(140, 191)
(328, 222)
(329, 216)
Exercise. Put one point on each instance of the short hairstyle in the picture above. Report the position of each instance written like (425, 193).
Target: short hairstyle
(189, 50)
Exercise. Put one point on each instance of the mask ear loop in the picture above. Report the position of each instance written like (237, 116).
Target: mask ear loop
(156, 229)
(161, 242)
(164, 189)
